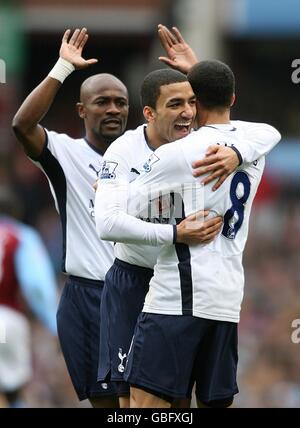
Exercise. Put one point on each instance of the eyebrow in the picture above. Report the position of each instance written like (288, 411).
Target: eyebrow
(105, 97)
(174, 100)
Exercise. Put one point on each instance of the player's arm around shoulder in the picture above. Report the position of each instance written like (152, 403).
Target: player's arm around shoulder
(164, 168)
(260, 139)
(221, 161)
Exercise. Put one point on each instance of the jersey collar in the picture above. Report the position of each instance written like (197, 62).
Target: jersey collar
(100, 152)
(221, 127)
(147, 139)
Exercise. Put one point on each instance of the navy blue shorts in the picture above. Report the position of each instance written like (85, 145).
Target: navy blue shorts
(122, 301)
(78, 319)
(170, 353)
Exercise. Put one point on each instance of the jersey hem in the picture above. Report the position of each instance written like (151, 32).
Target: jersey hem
(192, 313)
(156, 388)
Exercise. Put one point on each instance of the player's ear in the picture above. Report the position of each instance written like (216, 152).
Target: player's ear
(81, 110)
(232, 100)
(149, 113)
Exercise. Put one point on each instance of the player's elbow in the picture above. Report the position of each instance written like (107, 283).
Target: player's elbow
(105, 235)
(20, 127)
(104, 231)
(275, 133)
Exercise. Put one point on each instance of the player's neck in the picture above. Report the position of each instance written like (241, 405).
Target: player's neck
(214, 117)
(99, 143)
(153, 138)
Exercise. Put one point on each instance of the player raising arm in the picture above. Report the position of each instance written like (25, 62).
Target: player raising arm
(72, 166)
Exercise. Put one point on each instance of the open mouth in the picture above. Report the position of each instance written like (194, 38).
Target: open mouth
(183, 128)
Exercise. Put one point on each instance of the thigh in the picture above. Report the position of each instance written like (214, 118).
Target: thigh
(162, 355)
(216, 362)
(123, 299)
(78, 319)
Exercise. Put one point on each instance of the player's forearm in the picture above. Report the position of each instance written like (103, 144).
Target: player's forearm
(124, 228)
(261, 142)
(114, 224)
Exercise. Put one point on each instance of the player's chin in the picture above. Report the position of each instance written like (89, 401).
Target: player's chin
(112, 134)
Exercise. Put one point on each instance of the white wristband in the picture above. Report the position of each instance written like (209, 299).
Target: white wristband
(61, 70)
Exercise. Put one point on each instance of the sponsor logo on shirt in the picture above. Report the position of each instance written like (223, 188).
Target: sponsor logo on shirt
(108, 170)
(96, 171)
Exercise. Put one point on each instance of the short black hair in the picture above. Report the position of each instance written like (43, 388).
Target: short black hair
(150, 89)
(213, 83)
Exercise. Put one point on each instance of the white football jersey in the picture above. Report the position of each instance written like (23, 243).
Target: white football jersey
(206, 281)
(72, 166)
(122, 163)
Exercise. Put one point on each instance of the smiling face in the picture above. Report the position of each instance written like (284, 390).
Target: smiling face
(104, 107)
(174, 114)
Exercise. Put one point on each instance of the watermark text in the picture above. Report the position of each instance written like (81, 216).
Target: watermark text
(296, 73)
(156, 417)
(295, 336)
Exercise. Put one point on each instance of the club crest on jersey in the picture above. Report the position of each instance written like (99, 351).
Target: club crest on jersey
(122, 356)
(150, 162)
(108, 170)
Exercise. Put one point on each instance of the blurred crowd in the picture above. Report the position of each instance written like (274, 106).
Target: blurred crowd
(269, 367)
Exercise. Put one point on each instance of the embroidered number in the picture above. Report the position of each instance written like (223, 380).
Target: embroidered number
(239, 194)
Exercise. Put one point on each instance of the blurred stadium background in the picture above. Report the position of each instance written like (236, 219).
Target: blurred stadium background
(259, 39)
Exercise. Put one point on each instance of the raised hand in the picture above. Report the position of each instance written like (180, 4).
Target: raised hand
(180, 55)
(72, 50)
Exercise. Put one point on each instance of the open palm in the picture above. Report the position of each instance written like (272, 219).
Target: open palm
(179, 54)
(72, 50)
